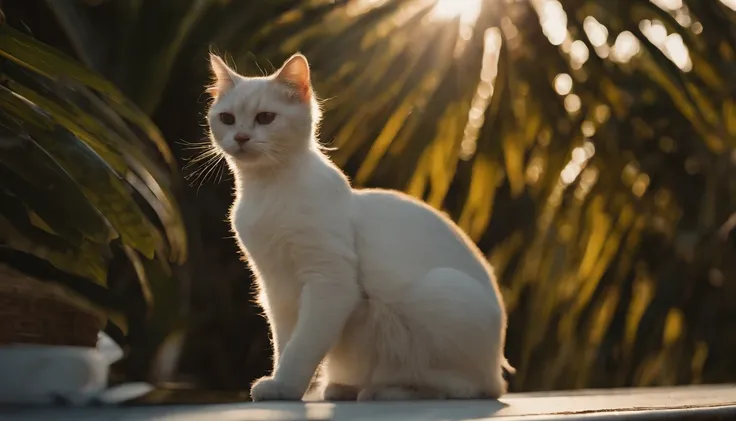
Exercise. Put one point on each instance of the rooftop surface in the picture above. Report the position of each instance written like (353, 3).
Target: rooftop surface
(680, 403)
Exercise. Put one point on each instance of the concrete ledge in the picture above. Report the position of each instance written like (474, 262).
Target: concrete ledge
(680, 403)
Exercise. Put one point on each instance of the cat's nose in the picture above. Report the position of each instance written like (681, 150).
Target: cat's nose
(242, 138)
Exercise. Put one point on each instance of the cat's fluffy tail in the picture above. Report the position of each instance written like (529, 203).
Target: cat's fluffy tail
(508, 369)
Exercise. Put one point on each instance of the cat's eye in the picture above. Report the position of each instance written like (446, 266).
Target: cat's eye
(227, 118)
(265, 117)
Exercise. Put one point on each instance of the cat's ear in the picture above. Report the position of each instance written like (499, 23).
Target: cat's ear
(295, 74)
(224, 77)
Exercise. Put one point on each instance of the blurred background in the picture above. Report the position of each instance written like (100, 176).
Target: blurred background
(587, 146)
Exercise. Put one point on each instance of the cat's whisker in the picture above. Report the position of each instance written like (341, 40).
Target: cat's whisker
(270, 156)
(209, 164)
(197, 144)
(203, 159)
(275, 153)
(260, 69)
(203, 146)
(215, 165)
(204, 150)
(220, 173)
(212, 160)
(195, 176)
(200, 162)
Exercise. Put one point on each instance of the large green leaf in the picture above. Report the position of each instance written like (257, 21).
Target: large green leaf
(101, 187)
(94, 120)
(82, 257)
(81, 175)
(53, 65)
(46, 188)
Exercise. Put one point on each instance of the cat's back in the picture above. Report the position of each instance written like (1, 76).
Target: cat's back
(399, 238)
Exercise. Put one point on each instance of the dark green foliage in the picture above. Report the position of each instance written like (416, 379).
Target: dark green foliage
(81, 179)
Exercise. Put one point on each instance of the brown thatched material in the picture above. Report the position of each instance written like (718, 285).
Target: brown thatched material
(33, 311)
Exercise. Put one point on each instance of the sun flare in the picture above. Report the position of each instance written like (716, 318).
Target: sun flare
(466, 10)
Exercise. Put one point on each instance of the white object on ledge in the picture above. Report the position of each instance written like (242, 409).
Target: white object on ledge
(43, 374)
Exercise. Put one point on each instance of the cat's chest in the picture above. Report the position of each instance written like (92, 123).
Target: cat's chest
(268, 231)
(264, 229)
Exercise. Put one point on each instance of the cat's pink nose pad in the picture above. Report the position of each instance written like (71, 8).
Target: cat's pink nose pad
(241, 138)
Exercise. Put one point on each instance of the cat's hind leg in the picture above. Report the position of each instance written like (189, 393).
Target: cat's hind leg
(454, 326)
(348, 364)
(340, 392)
(433, 384)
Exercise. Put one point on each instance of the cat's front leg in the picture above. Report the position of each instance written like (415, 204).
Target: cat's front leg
(325, 305)
(281, 319)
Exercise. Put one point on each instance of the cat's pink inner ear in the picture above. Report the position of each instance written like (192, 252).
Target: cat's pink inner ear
(295, 74)
(224, 77)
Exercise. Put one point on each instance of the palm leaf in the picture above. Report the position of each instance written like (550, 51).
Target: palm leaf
(78, 170)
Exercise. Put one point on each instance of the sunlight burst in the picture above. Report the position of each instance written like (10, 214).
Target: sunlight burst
(466, 10)
(730, 3)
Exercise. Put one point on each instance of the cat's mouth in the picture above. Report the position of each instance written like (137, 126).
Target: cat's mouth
(242, 152)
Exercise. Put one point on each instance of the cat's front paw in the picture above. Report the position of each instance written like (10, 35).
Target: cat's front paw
(270, 389)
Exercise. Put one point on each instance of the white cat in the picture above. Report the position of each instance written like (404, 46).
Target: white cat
(387, 293)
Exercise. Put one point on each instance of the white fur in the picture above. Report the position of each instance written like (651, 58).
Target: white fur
(388, 294)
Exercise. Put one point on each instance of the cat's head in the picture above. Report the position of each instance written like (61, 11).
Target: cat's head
(263, 120)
